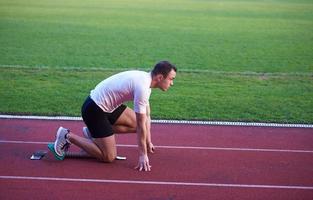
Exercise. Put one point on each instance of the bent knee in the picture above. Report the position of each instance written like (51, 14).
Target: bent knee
(108, 158)
(111, 158)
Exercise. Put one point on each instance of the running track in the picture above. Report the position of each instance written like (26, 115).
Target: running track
(191, 162)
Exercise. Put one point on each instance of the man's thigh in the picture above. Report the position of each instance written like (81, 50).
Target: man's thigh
(127, 118)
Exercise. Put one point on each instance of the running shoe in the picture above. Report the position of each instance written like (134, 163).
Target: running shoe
(61, 144)
(87, 133)
(51, 148)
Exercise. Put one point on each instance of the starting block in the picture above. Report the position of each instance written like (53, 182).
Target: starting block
(120, 158)
(38, 155)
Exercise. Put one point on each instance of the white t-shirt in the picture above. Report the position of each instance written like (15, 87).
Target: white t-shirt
(125, 86)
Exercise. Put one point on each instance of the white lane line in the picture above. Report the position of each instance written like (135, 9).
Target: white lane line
(21, 142)
(157, 182)
(213, 123)
(227, 149)
(183, 147)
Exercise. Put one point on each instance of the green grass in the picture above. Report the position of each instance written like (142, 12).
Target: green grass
(49, 49)
(203, 96)
(258, 36)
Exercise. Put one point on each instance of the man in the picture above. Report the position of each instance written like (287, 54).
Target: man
(105, 114)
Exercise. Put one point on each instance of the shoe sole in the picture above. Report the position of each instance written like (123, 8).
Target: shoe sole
(51, 148)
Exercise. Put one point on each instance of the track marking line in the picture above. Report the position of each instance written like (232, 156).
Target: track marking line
(157, 182)
(213, 123)
(183, 147)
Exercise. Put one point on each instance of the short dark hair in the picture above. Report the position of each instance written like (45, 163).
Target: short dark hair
(164, 68)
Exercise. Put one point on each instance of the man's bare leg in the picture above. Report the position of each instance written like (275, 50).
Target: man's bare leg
(107, 146)
(103, 149)
(126, 123)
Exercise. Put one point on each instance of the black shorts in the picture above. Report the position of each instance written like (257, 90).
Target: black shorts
(99, 122)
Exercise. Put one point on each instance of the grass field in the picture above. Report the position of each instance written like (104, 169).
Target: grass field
(238, 60)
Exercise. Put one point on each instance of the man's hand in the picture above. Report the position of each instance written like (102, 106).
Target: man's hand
(143, 163)
(150, 147)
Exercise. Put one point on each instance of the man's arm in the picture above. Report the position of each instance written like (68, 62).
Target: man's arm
(148, 124)
(142, 136)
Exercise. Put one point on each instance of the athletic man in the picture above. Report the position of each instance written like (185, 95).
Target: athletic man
(105, 114)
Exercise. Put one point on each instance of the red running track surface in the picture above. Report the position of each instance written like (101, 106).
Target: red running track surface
(191, 162)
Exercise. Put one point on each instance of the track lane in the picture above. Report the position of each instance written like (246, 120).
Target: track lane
(200, 166)
(174, 135)
(169, 164)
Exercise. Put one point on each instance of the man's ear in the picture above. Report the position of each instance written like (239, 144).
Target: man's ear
(160, 77)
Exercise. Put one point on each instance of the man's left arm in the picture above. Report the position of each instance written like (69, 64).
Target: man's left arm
(150, 146)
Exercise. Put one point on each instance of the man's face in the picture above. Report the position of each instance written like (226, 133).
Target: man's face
(166, 83)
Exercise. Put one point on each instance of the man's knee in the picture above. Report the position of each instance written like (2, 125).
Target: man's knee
(108, 158)
(107, 148)
(111, 157)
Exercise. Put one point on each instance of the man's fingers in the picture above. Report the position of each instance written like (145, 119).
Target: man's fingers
(139, 167)
(146, 167)
(143, 163)
(143, 167)
(151, 149)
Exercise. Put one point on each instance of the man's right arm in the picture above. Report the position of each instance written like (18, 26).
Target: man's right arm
(142, 134)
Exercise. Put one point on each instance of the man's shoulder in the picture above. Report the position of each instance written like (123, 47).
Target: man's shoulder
(135, 72)
(136, 75)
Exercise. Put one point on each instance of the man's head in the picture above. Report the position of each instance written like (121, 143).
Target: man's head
(163, 75)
